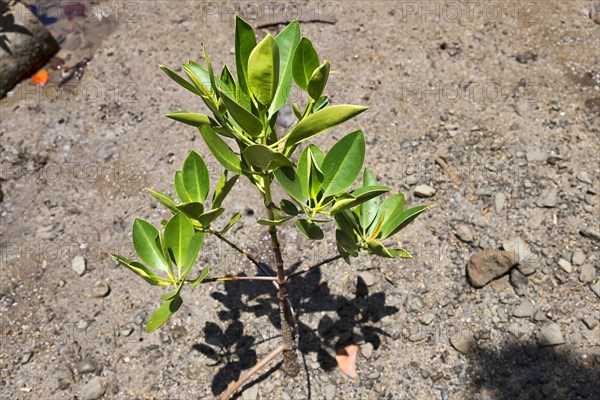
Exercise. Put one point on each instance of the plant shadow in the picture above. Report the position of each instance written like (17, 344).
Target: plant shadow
(347, 320)
(527, 371)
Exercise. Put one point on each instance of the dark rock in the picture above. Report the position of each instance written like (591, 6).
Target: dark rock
(526, 56)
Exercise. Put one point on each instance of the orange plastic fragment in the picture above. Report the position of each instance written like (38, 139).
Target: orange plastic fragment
(40, 77)
(346, 360)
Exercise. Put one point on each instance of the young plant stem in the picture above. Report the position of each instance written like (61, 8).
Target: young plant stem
(312, 267)
(290, 360)
(233, 388)
(240, 278)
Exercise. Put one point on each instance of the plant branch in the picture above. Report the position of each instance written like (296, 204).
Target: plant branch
(317, 265)
(241, 251)
(240, 278)
(235, 386)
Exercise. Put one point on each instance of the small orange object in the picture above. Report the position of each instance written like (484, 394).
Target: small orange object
(346, 360)
(40, 77)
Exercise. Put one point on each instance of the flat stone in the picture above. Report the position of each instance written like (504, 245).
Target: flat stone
(26, 357)
(87, 365)
(427, 319)
(100, 289)
(525, 57)
(94, 389)
(590, 322)
(550, 335)
(367, 278)
(418, 336)
(366, 350)
(464, 233)
(578, 258)
(548, 198)
(413, 303)
(78, 265)
(596, 287)
(535, 155)
(424, 191)
(587, 273)
(528, 261)
(499, 201)
(330, 390)
(582, 176)
(565, 265)
(462, 341)
(251, 393)
(524, 310)
(519, 281)
(487, 265)
(589, 233)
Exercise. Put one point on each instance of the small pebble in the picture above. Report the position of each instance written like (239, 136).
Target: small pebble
(366, 350)
(464, 233)
(100, 289)
(424, 191)
(367, 278)
(550, 335)
(565, 265)
(413, 303)
(578, 258)
(499, 200)
(596, 288)
(590, 322)
(25, 358)
(587, 273)
(548, 198)
(127, 331)
(524, 310)
(535, 155)
(330, 390)
(462, 340)
(582, 176)
(78, 265)
(140, 317)
(94, 389)
(427, 319)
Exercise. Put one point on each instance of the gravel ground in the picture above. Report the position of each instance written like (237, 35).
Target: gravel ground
(490, 116)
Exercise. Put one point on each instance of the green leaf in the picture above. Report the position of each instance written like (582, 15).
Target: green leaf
(205, 77)
(346, 243)
(379, 249)
(368, 210)
(164, 312)
(359, 196)
(245, 41)
(290, 183)
(391, 206)
(189, 118)
(288, 207)
(194, 246)
(287, 41)
(228, 79)
(192, 209)
(208, 217)
(184, 197)
(263, 158)
(277, 222)
(322, 102)
(309, 229)
(178, 233)
(200, 277)
(142, 271)
(396, 222)
(195, 177)
(318, 81)
(246, 120)
(222, 152)
(169, 295)
(343, 163)
(263, 70)
(305, 62)
(320, 122)
(163, 199)
(145, 237)
(231, 222)
(180, 80)
(223, 188)
(211, 75)
(203, 91)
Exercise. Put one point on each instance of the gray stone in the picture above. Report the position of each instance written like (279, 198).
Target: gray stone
(499, 200)
(548, 198)
(424, 191)
(464, 233)
(366, 350)
(418, 336)
(524, 310)
(578, 258)
(26, 44)
(87, 365)
(539, 316)
(527, 260)
(550, 335)
(78, 265)
(411, 180)
(590, 233)
(367, 278)
(587, 273)
(582, 176)
(427, 319)
(26, 357)
(462, 341)
(251, 393)
(94, 389)
(535, 155)
(413, 303)
(590, 322)
(140, 317)
(565, 265)
(127, 331)
(596, 287)
(525, 57)
(487, 265)
(519, 281)
(330, 390)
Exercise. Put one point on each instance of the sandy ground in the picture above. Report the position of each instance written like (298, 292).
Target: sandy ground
(507, 93)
